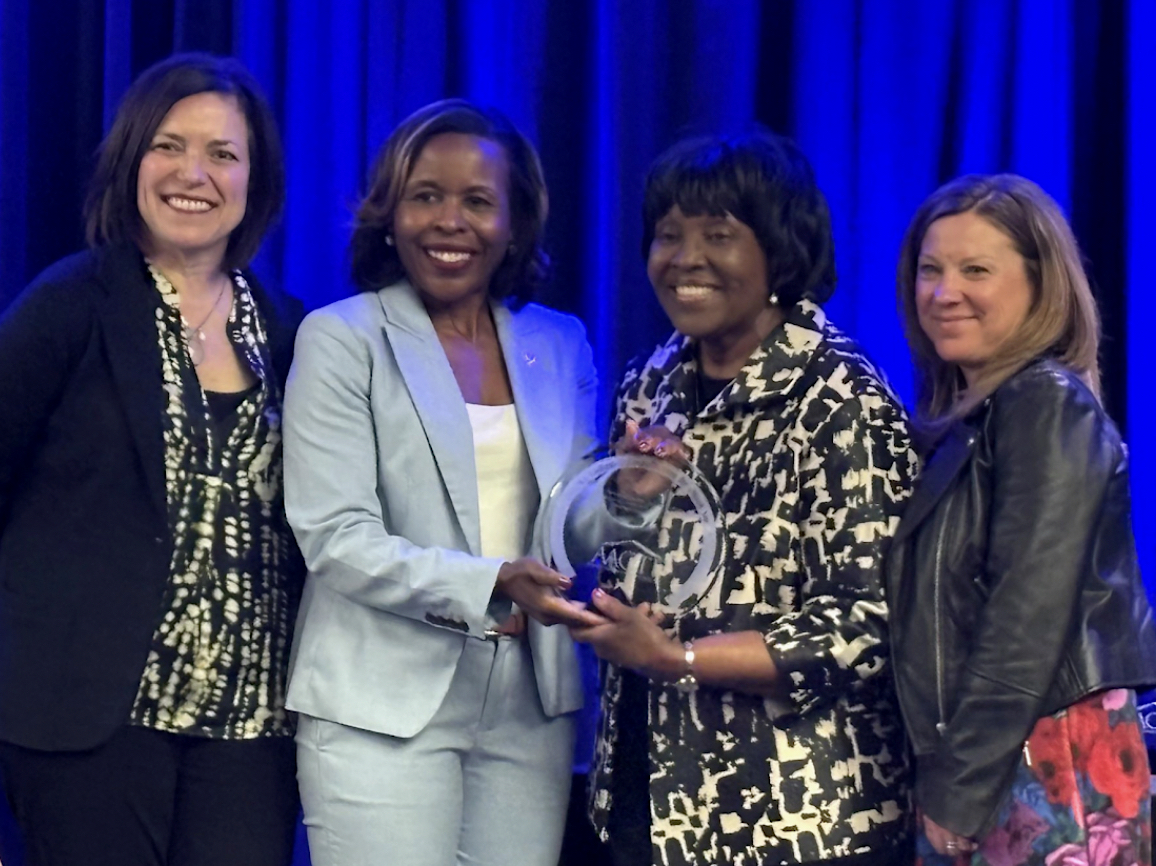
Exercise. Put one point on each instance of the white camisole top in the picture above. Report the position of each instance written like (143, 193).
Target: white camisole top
(507, 490)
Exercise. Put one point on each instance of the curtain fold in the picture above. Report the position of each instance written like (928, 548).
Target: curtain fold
(1140, 298)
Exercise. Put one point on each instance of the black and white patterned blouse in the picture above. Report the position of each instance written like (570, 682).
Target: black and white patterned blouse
(217, 665)
(811, 456)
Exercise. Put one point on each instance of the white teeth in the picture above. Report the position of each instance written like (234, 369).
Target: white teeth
(449, 257)
(692, 292)
(191, 205)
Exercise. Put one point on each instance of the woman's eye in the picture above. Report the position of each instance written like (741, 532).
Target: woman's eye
(164, 145)
(975, 270)
(477, 201)
(425, 196)
(718, 237)
(926, 269)
(226, 155)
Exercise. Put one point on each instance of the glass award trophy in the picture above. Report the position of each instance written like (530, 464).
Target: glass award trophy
(642, 528)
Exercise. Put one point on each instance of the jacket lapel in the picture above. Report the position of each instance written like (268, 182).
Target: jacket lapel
(437, 399)
(780, 363)
(949, 459)
(538, 394)
(771, 374)
(671, 372)
(130, 336)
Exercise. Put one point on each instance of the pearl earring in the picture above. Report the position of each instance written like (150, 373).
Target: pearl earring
(389, 240)
(773, 300)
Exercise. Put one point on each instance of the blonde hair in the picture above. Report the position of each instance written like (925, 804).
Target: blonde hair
(1062, 323)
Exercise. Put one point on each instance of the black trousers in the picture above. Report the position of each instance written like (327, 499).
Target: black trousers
(147, 798)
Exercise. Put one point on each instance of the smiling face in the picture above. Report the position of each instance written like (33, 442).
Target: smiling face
(193, 181)
(972, 291)
(452, 226)
(710, 275)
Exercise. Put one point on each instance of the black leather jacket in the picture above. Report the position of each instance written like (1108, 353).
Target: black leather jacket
(1013, 587)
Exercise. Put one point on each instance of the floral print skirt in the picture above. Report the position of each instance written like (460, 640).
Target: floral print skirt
(1080, 795)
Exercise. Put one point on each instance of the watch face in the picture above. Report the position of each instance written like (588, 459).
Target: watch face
(687, 683)
(649, 529)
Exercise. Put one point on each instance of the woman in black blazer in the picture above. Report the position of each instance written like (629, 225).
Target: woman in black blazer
(148, 579)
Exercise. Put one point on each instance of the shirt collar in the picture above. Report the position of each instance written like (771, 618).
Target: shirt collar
(771, 373)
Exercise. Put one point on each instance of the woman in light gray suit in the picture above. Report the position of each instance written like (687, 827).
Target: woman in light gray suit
(426, 418)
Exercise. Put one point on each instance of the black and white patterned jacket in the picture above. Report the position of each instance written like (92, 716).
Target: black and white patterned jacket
(810, 453)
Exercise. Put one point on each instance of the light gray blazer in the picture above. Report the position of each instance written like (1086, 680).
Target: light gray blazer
(381, 492)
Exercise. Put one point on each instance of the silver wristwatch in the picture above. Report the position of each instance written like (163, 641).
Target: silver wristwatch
(687, 682)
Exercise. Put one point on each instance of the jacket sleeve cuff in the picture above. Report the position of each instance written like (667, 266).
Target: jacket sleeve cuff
(969, 810)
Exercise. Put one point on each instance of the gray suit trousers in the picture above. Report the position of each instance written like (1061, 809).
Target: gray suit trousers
(485, 783)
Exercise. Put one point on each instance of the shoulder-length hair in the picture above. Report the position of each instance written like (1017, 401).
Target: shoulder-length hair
(375, 263)
(1062, 322)
(763, 180)
(111, 212)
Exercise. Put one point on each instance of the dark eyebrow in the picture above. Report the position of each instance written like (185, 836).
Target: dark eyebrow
(216, 142)
(424, 182)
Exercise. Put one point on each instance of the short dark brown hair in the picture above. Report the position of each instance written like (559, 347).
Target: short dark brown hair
(375, 263)
(763, 180)
(111, 213)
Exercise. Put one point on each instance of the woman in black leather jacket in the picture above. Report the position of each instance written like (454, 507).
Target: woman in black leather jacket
(1020, 627)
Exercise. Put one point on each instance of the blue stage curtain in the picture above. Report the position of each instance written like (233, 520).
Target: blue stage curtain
(888, 97)
(602, 89)
(894, 97)
(1139, 292)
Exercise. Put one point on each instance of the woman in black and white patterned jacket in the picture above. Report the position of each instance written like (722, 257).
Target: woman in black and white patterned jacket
(760, 727)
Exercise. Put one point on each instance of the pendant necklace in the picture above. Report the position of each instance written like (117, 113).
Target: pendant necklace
(194, 337)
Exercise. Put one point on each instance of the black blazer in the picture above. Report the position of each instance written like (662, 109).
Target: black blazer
(84, 538)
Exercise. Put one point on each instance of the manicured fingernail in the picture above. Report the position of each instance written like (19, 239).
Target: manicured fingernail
(660, 450)
(598, 593)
